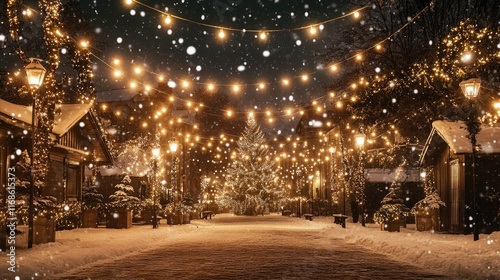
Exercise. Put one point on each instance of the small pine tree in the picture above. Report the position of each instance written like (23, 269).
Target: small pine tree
(392, 206)
(23, 187)
(432, 200)
(91, 197)
(123, 196)
(23, 176)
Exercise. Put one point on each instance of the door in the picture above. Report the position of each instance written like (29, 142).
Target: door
(454, 195)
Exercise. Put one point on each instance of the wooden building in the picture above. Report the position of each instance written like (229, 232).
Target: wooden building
(449, 152)
(78, 139)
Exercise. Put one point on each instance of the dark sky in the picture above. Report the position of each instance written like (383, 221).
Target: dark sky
(190, 51)
(132, 32)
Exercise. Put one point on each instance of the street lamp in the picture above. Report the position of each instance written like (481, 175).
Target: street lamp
(332, 150)
(35, 73)
(154, 165)
(360, 142)
(174, 145)
(299, 192)
(470, 89)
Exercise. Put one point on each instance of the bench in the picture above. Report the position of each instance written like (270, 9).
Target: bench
(207, 214)
(308, 217)
(286, 213)
(339, 219)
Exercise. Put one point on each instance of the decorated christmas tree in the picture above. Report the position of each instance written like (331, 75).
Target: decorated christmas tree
(124, 195)
(251, 183)
(392, 206)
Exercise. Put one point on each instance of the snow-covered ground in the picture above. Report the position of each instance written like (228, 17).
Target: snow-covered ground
(456, 255)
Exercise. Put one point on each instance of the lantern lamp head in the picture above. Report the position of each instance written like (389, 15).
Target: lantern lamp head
(470, 87)
(156, 152)
(360, 139)
(35, 72)
(173, 144)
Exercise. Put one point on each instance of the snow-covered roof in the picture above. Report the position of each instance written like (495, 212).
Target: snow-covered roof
(70, 114)
(378, 175)
(455, 135)
(115, 95)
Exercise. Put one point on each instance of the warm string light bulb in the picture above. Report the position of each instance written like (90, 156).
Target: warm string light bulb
(313, 30)
(168, 20)
(262, 36)
(222, 34)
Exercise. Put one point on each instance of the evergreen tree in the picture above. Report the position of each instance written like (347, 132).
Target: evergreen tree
(392, 206)
(432, 199)
(91, 197)
(251, 182)
(23, 186)
(124, 195)
(42, 204)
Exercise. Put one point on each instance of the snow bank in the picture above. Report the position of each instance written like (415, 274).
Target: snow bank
(456, 255)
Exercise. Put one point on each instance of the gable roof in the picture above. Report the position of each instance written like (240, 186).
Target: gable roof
(70, 114)
(454, 134)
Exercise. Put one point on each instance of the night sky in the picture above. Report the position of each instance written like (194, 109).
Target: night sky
(193, 52)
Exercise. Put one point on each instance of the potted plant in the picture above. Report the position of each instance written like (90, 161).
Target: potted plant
(426, 211)
(44, 219)
(120, 207)
(68, 215)
(392, 209)
(91, 203)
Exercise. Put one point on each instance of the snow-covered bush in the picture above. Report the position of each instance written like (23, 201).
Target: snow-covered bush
(91, 198)
(432, 200)
(124, 195)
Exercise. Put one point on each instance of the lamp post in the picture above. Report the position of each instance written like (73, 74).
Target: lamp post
(35, 73)
(299, 192)
(333, 174)
(360, 142)
(470, 89)
(154, 165)
(174, 145)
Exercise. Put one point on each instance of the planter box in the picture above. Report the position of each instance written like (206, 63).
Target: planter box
(119, 218)
(186, 218)
(195, 215)
(391, 226)
(90, 218)
(426, 220)
(21, 239)
(44, 230)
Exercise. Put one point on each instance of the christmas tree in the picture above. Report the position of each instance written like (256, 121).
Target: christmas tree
(23, 184)
(123, 196)
(43, 205)
(251, 183)
(91, 197)
(392, 206)
(432, 199)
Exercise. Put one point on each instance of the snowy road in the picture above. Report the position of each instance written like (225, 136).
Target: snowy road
(269, 247)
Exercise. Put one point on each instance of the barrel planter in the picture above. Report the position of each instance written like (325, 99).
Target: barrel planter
(90, 218)
(186, 218)
(195, 214)
(426, 220)
(390, 226)
(44, 230)
(119, 218)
